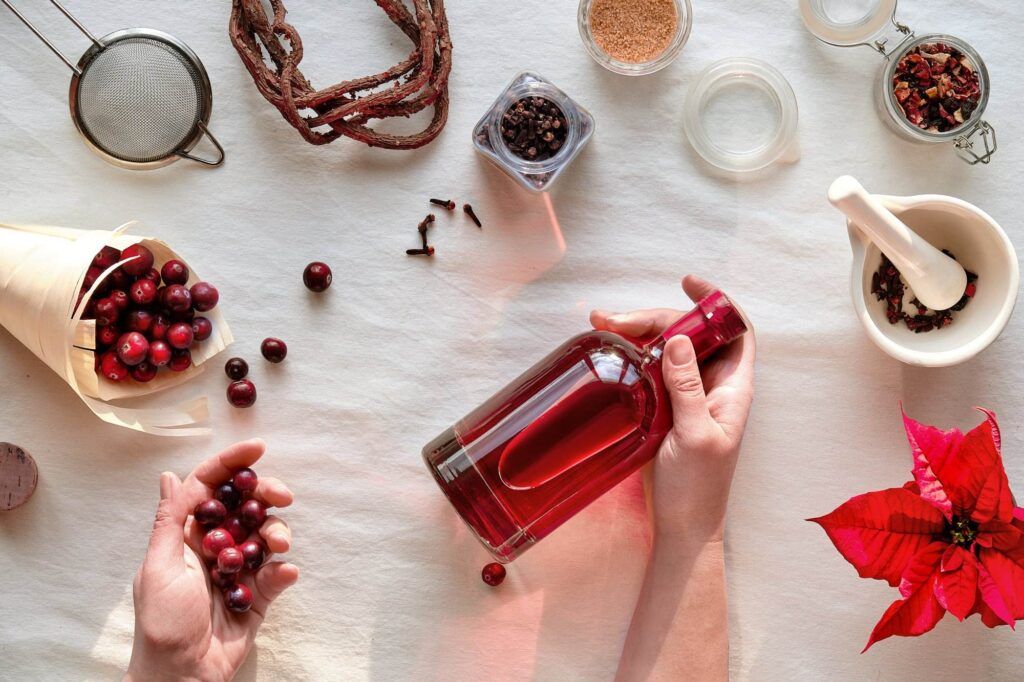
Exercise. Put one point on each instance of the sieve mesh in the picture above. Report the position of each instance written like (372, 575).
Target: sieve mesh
(139, 99)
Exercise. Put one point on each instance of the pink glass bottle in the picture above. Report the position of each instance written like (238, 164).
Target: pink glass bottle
(565, 432)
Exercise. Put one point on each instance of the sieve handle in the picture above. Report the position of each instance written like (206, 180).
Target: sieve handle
(206, 131)
(46, 41)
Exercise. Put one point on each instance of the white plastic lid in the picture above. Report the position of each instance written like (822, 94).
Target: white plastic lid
(757, 131)
(847, 22)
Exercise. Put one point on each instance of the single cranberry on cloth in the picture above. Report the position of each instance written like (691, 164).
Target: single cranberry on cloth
(951, 540)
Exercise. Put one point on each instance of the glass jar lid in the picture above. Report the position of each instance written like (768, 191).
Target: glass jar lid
(741, 115)
(848, 22)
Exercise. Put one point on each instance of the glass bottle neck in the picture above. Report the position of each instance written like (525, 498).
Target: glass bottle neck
(713, 323)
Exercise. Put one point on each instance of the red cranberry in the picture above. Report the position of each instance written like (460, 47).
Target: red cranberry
(242, 393)
(112, 367)
(176, 298)
(238, 598)
(222, 580)
(234, 526)
(159, 328)
(174, 272)
(236, 368)
(141, 264)
(253, 514)
(89, 312)
(132, 348)
(493, 574)
(230, 560)
(184, 316)
(107, 336)
(107, 256)
(180, 335)
(274, 350)
(202, 328)
(181, 359)
(210, 513)
(216, 541)
(106, 312)
(91, 275)
(140, 321)
(245, 480)
(317, 277)
(143, 291)
(153, 275)
(253, 554)
(120, 299)
(159, 353)
(204, 296)
(228, 495)
(143, 372)
(118, 280)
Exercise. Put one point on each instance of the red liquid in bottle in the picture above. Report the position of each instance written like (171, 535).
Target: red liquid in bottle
(565, 432)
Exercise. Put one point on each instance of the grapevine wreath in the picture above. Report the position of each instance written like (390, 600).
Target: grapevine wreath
(421, 80)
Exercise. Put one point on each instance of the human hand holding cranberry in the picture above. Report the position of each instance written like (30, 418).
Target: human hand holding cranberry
(693, 471)
(184, 626)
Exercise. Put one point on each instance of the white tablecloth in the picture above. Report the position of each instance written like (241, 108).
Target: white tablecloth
(401, 347)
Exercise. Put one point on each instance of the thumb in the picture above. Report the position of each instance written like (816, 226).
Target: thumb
(168, 538)
(685, 388)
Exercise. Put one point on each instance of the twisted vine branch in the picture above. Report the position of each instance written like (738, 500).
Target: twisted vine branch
(419, 81)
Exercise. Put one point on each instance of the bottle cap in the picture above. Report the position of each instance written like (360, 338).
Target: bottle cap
(18, 476)
(723, 316)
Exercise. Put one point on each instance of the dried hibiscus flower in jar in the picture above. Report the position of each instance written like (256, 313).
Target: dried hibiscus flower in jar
(936, 86)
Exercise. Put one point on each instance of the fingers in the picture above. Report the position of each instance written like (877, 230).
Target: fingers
(697, 288)
(273, 493)
(168, 537)
(222, 466)
(690, 414)
(276, 534)
(269, 582)
(638, 323)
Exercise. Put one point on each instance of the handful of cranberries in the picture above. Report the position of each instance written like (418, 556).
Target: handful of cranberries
(231, 545)
(145, 318)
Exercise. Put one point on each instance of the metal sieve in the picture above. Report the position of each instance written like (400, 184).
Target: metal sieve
(140, 98)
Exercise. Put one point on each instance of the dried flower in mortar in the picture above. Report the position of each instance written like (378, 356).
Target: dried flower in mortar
(950, 540)
(887, 285)
(936, 87)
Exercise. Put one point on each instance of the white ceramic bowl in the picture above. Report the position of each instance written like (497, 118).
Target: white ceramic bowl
(978, 243)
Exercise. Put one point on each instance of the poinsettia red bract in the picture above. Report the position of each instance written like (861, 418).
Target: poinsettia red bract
(951, 540)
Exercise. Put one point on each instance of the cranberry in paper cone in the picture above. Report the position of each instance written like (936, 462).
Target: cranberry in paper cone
(42, 270)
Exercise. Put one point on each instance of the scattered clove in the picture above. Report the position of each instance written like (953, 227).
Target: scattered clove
(447, 203)
(469, 211)
(429, 251)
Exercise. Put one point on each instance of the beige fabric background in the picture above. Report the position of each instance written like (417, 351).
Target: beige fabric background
(401, 347)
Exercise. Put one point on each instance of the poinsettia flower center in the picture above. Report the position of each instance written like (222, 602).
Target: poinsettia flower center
(961, 531)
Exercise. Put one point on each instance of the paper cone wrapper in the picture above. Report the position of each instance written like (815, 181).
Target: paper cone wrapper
(41, 272)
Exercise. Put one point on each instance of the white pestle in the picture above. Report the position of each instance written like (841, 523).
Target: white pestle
(937, 280)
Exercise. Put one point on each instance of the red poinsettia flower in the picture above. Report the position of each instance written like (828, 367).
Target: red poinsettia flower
(950, 540)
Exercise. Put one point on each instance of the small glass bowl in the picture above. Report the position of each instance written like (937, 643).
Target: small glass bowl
(535, 176)
(781, 146)
(684, 12)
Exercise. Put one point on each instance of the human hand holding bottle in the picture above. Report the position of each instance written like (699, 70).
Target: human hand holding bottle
(679, 629)
(182, 628)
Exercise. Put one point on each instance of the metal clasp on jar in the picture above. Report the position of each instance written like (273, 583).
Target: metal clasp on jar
(965, 146)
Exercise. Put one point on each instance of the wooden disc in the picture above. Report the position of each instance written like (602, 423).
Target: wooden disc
(18, 476)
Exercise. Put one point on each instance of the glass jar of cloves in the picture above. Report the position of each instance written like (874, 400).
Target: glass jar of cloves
(533, 131)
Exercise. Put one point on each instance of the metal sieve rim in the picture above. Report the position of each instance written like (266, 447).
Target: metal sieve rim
(206, 96)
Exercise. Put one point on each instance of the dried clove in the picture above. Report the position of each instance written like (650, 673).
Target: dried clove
(472, 214)
(447, 203)
(429, 251)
